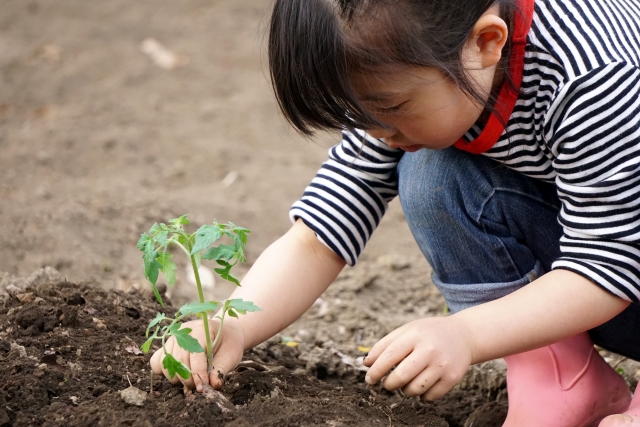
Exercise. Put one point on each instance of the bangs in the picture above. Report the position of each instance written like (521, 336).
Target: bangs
(317, 48)
(311, 63)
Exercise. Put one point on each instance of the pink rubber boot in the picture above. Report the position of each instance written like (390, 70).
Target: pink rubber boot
(629, 418)
(566, 384)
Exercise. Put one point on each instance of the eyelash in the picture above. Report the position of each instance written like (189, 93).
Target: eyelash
(393, 109)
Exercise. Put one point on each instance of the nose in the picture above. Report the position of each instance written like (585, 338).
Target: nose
(381, 133)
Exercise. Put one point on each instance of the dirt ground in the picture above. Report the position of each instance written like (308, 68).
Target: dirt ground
(103, 133)
(98, 141)
(69, 355)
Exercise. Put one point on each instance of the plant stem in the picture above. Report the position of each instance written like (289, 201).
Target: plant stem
(179, 245)
(205, 318)
(219, 334)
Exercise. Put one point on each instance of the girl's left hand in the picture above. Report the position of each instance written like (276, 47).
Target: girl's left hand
(431, 355)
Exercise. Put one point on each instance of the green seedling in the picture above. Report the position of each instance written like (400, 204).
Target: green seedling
(197, 246)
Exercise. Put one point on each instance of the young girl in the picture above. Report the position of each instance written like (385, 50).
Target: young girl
(510, 129)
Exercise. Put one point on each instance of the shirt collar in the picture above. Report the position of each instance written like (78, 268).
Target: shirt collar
(508, 95)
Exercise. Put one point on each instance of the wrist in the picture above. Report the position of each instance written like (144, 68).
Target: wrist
(465, 334)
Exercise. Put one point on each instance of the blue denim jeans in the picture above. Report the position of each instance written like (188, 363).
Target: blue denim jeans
(487, 231)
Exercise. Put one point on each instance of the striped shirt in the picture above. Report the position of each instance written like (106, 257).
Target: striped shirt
(575, 122)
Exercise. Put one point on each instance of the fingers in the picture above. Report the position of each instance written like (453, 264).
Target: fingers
(199, 370)
(157, 358)
(156, 361)
(433, 382)
(170, 346)
(420, 384)
(409, 370)
(183, 356)
(430, 383)
(226, 358)
(228, 355)
(392, 355)
(437, 390)
(424, 362)
(196, 362)
(381, 345)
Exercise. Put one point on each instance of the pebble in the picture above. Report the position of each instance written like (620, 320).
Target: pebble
(22, 352)
(133, 396)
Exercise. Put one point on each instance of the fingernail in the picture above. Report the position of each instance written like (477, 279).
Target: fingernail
(367, 379)
(199, 387)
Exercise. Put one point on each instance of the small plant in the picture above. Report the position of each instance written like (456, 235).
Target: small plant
(196, 246)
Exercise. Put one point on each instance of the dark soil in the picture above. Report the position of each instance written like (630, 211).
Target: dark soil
(68, 349)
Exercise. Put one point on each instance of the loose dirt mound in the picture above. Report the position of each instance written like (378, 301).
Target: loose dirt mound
(68, 350)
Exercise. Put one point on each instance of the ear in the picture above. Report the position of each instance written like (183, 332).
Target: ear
(487, 38)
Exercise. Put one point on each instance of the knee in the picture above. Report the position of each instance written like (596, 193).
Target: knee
(437, 186)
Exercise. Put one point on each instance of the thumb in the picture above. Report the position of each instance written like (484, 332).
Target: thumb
(156, 361)
(227, 357)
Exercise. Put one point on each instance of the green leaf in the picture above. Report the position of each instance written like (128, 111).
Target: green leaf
(241, 305)
(159, 318)
(161, 238)
(157, 294)
(232, 313)
(147, 345)
(226, 275)
(151, 266)
(173, 366)
(168, 267)
(198, 307)
(184, 241)
(178, 223)
(205, 236)
(159, 233)
(222, 252)
(152, 271)
(186, 341)
(239, 252)
(237, 229)
(144, 240)
(241, 232)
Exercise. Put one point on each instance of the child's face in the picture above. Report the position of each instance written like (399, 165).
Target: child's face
(422, 108)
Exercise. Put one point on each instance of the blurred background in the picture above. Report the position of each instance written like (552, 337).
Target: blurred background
(117, 114)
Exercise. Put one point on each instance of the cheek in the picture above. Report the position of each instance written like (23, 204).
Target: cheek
(438, 127)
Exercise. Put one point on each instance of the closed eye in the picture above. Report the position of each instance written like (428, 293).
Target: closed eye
(392, 109)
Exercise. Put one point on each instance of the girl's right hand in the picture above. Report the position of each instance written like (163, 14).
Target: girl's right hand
(228, 355)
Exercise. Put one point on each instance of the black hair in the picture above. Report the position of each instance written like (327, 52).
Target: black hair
(316, 45)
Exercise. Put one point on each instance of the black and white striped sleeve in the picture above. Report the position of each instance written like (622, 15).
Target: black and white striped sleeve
(350, 193)
(593, 129)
